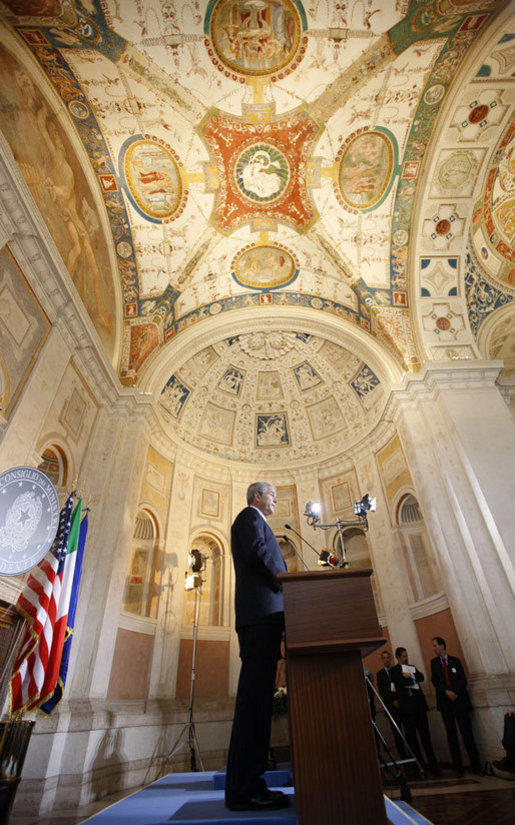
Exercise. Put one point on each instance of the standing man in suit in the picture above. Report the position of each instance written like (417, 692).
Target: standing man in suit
(453, 702)
(413, 708)
(259, 624)
(388, 694)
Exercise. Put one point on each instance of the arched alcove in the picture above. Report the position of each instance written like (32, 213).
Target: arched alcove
(54, 464)
(420, 567)
(212, 588)
(141, 594)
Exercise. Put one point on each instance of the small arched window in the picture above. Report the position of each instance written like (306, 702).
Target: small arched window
(54, 465)
(418, 561)
(142, 586)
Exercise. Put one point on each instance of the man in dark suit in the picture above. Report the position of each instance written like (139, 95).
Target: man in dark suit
(413, 708)
(388, 694)
(453, 702)
(259, 624)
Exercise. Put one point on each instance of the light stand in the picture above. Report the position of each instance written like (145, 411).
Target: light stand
(188, 735)
(361, 508)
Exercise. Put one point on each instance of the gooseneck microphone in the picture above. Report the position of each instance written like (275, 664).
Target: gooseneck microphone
(296, 551)
(315, 551)
(325, 559)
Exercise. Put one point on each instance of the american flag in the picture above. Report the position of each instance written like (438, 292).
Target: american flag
(72, 572)
(40, 603)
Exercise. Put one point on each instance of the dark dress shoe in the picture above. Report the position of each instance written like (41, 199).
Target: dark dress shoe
(265, 801)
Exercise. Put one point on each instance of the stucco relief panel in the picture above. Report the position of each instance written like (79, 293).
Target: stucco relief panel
(23, 329)
(218, 424)
(439, 276)
(456, 172)
(338, 494)
(393, 469)
(156, 483)
(71, 415)
(443, 228)
(210, 502)
(475, 119)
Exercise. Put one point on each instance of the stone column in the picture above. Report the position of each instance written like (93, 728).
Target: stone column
(459, 438)
(387, 564)
(112, 469)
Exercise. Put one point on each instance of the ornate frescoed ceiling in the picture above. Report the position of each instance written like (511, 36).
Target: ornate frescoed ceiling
(328, 189)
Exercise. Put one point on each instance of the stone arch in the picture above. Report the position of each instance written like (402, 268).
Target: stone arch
(56, 464)
(496, 339)
(143, 584)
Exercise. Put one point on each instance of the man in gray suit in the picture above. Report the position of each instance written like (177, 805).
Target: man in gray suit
(259, 624)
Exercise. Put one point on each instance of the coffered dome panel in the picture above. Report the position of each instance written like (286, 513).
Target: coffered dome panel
(272, 396)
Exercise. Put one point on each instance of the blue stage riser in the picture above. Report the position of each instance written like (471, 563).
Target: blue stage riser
(198, 799)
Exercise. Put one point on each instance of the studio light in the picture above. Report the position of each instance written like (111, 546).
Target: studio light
(192, 581)
(197, 563)
(312, 512)
(362, 507)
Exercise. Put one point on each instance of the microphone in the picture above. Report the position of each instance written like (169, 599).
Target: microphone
(325, 559)
(296, 551)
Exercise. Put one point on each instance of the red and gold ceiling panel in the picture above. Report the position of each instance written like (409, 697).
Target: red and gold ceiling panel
(261, 169)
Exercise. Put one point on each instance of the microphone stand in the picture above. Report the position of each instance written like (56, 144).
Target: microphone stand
(320, 556)
(295, 551)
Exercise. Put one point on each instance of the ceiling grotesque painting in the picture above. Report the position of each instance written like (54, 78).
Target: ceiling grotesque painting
(205, 162)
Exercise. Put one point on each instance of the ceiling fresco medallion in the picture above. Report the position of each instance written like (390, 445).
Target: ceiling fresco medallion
(255, 38)
(152, 177)
(264, 267)
(262, 173)
(366, 161)
(260, 169)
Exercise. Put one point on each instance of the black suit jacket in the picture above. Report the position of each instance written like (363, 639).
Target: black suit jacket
(458, 681)
(411, 700)
(384, 687)
(257, 561)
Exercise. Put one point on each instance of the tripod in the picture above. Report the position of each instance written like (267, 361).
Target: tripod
(390, 766)
(187, 735)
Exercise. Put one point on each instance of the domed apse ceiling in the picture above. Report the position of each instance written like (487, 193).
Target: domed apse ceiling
(272, 396)
(259, 155)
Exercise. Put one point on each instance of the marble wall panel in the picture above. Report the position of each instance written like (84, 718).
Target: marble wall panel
(23, 329)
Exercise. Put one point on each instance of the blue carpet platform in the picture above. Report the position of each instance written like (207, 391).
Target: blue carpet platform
(198, 799)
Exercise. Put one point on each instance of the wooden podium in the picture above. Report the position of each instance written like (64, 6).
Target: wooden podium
(331, 622)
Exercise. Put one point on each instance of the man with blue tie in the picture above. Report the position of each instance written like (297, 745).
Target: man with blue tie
(453, 702)
(259, 611)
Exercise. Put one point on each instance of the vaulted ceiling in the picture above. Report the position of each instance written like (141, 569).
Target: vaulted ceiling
(271, 210)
